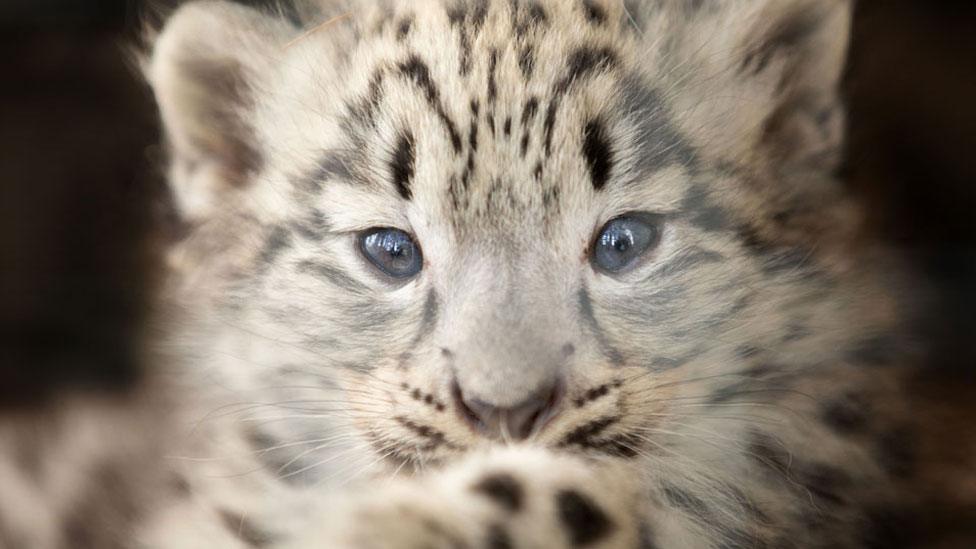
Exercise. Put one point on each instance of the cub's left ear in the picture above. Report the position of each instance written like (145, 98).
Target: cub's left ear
(754, 85)
(207, 69)
(760, 77)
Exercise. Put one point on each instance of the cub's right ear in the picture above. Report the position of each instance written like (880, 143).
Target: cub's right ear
(207, 68)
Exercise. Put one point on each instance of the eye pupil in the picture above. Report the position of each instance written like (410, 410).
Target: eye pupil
(624, 240)
(392, 251)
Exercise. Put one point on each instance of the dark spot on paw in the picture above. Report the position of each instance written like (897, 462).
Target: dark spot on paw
(498, 538)
(585, 522)
(503, 489)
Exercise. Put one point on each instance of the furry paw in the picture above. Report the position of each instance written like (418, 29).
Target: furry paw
(509, 498)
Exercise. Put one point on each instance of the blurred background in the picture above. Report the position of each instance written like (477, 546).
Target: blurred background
(83, 210)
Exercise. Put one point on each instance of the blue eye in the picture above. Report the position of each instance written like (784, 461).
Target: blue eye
(392, 251)
(624, 240)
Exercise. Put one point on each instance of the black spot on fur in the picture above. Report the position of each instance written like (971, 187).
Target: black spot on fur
(646, 537)
(701, 212)
(492, 83)
(479, 14)
(403, 28)
(710, 219)
(364, 109)
(593, 394)
(419, 73)
(110, 507)
(585, 522)
(526, 61)
(770, 453)
(580, 63)
(659, 140)
(752, 240)
(795, 332)
(503, 489)
(537, 14)
(827, 484)
(731, 391)
(594, 12)
(846, 415)
(242, 528)
(747, 351)
(529, 110)
(598, 154)
(526, 16)
(473, 136)
(402, 164)
(498, 538)
(278, 241)
(467, 24)
(507, 126)
(457, 12)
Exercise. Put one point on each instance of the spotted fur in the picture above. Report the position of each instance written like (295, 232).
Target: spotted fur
(737, 388)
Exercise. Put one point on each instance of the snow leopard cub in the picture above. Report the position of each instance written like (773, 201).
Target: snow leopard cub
(516, 274)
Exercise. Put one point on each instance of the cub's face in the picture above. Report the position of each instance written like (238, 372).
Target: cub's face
(439, 227)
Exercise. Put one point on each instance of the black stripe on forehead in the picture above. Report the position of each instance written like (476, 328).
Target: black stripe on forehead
(364, 110)
(467, 17)
(598, 153)
(526, 16)
(402, 164)
(580, 64)
(594, 13)
(659, 143)
(357, 123)
(419, 74)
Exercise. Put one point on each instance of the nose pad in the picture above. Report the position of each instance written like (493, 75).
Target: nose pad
(513, 422)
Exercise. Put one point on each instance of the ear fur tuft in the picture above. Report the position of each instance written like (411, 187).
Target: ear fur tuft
(206, 69)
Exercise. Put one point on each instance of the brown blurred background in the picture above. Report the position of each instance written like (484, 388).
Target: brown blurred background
(82, 204)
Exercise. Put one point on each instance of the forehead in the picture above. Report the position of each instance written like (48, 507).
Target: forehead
(489, 110)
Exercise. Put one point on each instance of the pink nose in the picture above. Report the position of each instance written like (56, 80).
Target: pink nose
(516, 422)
